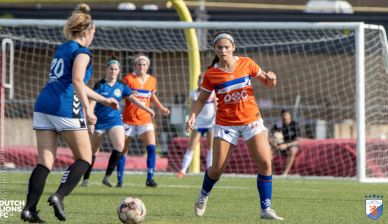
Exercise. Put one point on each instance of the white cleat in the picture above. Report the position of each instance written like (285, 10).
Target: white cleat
(269, 214)
(200, 204)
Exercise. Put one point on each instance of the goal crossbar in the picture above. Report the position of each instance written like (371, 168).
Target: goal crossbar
(195, 25)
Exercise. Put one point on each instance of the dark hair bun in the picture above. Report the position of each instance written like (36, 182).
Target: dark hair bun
(114, 57)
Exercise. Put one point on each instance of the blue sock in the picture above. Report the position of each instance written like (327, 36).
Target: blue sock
(208, 184)
(264, 185)
(120, 168)
(151, 159)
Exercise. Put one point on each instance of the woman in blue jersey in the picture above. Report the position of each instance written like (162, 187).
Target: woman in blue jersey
(109, 120)
(203, 124)
(58, 110)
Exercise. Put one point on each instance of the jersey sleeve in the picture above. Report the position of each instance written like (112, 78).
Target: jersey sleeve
(192, 95)
(96, 88)
(127, 91)
(154, 90)
(254, 69)
(82, 51)
(206, 84)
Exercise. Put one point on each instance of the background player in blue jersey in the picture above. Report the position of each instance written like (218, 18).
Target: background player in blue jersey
(204, 123)
(109, 120)
(58, 111)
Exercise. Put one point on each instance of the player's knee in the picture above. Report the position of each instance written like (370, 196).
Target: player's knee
(124, 152)
(119, 147)
(265, 165)
(217, 171)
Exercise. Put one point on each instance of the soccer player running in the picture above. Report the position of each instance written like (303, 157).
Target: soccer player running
(109, 120)
(237, 115)
(203, 124)
(138, 122)
(58, 110)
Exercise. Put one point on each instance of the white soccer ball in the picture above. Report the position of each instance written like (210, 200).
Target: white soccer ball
(278, 137)
(131, 210)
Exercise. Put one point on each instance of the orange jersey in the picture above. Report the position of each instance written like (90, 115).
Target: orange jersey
(236, 102)
(133, 114)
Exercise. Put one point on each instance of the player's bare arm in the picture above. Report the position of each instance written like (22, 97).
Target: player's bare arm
(196, 109)
(139, 104)
(80, 88)
(156, 102)
(267, 78)
(109, 102)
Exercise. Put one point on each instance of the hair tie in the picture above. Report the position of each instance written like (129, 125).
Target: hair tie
(113, 61)
(90, 25)
(142, 57)
(223, 35)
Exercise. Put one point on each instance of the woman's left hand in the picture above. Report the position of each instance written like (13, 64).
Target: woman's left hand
(165, 110)
(270, 76)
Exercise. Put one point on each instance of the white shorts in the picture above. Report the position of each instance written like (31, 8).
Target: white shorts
(58, 124)
(232, 133)
(103, 131)
(131, 130)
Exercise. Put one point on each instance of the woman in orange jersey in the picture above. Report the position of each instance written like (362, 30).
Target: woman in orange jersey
(237, 115)
(136, 121)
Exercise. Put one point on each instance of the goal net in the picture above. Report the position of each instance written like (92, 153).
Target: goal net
(331, 76)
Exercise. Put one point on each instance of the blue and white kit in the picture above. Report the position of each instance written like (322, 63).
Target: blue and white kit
(205, 119)
(57, 107)
(106, 116)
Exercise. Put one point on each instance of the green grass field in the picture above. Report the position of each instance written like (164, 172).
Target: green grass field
(233, 200)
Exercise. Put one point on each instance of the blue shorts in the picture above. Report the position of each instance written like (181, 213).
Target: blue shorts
(204, 130)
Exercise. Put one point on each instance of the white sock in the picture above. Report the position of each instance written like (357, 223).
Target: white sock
(265, 210)
(187, 160)
(209, 158)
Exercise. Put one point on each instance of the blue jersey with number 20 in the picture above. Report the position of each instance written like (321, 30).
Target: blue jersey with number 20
(58, 97)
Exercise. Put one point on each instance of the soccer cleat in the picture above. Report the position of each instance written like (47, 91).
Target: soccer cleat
(58, 207)
(180, 174)
(269, 214)
(151, 183)
(85, 183)
(31, 217)
(106, 181)
(119, 184)
(200, 204)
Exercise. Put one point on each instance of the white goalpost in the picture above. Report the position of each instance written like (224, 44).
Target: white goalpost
(333, 76)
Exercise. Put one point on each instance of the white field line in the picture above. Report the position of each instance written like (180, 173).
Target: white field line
(95, 183)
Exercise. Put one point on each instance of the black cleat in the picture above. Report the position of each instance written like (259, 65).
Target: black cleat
(151, 183)
(58, 207)
(119, 184)
(31, 217)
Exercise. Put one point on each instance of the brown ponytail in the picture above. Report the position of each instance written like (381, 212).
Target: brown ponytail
(216, 59)
(114, 57)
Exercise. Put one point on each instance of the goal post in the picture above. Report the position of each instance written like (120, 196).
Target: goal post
(333, 74)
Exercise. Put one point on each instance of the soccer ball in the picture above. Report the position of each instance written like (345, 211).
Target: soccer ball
(278, 137)
(131, 210)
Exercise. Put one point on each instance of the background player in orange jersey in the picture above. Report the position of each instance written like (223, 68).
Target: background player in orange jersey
(108, 120)
(237, 115)
(136, 120)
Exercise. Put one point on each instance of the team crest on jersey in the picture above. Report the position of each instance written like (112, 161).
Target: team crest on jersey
(374, 206)
(221, 89)
(226, 131)
(117, 93)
